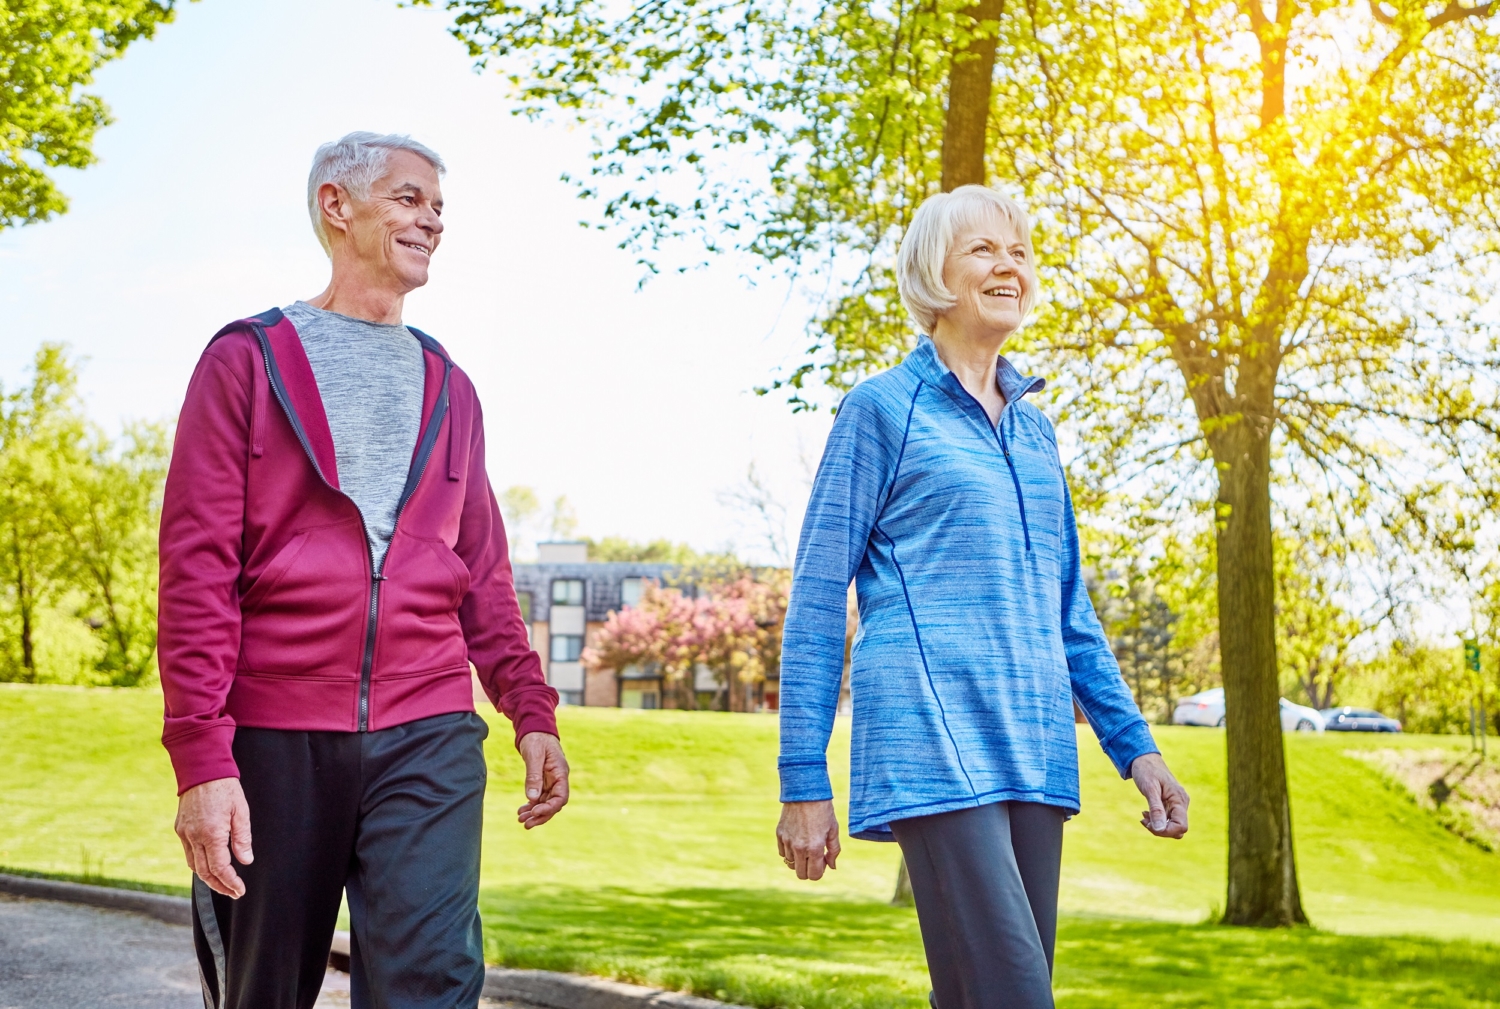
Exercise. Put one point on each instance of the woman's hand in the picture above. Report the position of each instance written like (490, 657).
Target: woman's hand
(808, 837)
(1166, 799)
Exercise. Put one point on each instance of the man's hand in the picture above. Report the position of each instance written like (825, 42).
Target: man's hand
(808, 837)
(546, 778)
(213, 818)
(1166, 799)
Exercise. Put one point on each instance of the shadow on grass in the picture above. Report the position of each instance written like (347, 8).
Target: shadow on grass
(782, 950)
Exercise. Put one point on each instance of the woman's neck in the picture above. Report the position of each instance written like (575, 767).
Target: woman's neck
(973, 363)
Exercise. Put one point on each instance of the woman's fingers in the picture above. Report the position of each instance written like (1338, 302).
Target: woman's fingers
(1177, 811)
(807, 838)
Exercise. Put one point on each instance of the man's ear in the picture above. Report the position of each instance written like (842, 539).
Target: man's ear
(334, 203)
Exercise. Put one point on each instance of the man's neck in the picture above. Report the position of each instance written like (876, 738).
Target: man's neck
(358, 300)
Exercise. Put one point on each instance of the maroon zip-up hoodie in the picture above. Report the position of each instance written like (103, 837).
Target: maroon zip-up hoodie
(270, 614)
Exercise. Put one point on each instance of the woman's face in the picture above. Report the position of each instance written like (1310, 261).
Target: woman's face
(988, 271)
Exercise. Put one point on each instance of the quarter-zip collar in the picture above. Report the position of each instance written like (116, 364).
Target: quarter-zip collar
(924, 360)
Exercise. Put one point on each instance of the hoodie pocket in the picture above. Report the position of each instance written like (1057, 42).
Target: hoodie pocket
(306, 613)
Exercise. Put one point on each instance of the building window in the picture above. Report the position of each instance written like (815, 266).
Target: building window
(630, 591)
(567, 592)
(524, 598)
(566, 647)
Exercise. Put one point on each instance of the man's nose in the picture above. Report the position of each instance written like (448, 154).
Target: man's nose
(431, 223)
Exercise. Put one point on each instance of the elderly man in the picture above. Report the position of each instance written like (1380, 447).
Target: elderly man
(332, 561)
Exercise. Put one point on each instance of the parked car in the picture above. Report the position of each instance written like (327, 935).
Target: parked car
(1348, 719)
(1207, 708)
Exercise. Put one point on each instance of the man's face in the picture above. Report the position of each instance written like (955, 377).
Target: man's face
(396, 229)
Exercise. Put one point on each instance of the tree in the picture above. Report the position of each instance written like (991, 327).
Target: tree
(78, 522)
(108, 510)
(732, 628)
(1265, 228)
(42, 439)
(49, 49)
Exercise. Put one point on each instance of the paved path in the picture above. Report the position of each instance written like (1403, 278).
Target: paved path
(66, 956)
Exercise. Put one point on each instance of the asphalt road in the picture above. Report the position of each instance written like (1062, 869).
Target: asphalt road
(67, 956)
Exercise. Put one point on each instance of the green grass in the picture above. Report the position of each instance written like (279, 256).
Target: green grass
(663, 868)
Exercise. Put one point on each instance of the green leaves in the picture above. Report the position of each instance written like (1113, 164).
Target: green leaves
(78, 520)
(49, 49)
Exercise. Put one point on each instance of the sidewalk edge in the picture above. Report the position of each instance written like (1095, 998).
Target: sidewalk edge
(161, 906)
(544, 988)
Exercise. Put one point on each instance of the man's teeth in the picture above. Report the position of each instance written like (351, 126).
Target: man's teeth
(419, 248)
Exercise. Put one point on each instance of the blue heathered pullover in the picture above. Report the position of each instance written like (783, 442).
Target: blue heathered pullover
(976, 631)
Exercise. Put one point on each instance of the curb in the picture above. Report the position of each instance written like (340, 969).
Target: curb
(544, 988)
(161, 906)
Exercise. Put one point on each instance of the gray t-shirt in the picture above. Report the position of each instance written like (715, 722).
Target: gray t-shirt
(371, 377)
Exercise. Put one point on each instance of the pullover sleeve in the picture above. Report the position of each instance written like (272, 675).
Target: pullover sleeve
(509, 669)
(1097, 684)
(858, 463)
(198, 611)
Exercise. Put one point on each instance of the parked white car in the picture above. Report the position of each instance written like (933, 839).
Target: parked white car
(1207, 708)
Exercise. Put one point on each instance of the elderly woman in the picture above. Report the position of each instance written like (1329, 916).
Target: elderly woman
(942, 496)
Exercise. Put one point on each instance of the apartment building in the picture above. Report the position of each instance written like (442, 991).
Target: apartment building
(564, 599)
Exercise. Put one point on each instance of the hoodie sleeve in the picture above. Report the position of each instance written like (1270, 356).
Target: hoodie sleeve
(509, 669)
(858, 463)
(198, 611)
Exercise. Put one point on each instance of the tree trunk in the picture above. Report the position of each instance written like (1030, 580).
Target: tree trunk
(966, 128)
(1262, 869)
(25, 603)
(903, 896)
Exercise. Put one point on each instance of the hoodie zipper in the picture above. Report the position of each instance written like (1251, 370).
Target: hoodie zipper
(413, 478)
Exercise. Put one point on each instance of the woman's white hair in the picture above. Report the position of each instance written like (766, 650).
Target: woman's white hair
(929, 239)
(355, 161)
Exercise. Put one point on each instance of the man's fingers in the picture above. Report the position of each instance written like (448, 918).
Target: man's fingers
(533, 778)
(833, 849)
(239, 833)
(557, 786)
(222, 870)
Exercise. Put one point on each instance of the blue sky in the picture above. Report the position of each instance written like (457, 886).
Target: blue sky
(635, 404)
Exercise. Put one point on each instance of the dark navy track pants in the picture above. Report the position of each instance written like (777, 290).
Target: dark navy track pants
(394, 818)
(985, 883)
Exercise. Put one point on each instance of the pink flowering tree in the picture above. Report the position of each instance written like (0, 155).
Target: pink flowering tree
(733, 628)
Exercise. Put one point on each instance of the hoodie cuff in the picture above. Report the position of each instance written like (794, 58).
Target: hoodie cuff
(805, 782)
(1124, 748)
(205, 755)
(535, 710)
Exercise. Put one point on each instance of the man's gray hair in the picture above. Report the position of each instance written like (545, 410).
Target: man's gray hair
(929, 239)
(355, 161)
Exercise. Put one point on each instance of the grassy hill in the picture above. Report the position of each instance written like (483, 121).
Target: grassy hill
(664, 867)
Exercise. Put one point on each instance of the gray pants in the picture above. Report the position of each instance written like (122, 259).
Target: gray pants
(985, 883)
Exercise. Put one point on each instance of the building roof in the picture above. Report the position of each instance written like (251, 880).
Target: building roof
(601, 591)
